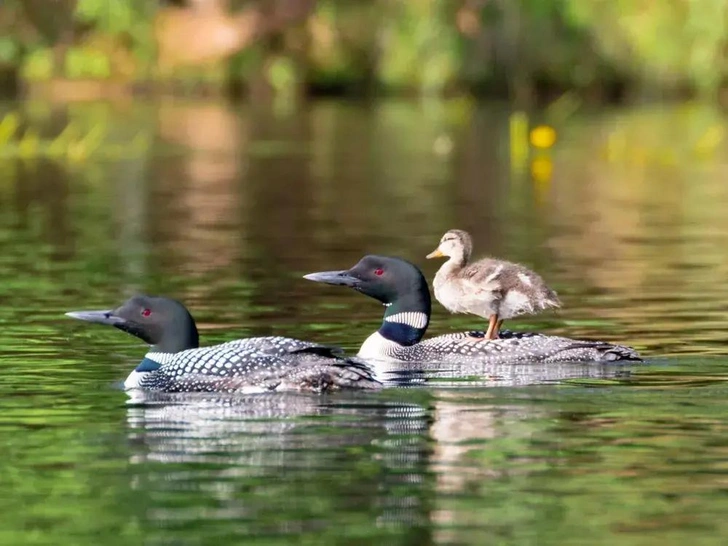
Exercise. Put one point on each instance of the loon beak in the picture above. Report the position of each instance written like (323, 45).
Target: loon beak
(338, 278)
(99, 317)
(435, 254)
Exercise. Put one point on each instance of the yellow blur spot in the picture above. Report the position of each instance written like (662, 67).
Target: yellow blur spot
(29, 144)
(518, 133)
(616, 146)
(8, 126)
(542, 169)
(710, 140)
(543, 136)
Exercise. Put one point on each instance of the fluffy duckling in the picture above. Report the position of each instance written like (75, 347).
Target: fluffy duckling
(490, 288)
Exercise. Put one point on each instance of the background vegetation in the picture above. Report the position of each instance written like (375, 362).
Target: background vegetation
(606, 49)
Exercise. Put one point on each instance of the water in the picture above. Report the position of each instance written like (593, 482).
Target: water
(230, 206)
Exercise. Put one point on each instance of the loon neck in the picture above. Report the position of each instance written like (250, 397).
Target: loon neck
(149, 363)
(181, 336)
(406, 319)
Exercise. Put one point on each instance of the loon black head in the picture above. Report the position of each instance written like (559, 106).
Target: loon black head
(395, 282)
(163, 323)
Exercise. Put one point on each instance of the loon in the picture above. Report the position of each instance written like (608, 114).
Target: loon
(175, 362)
(402, 288)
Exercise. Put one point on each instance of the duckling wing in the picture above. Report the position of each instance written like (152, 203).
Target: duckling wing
(483, 271)
(483, 279)
(524, 290)
(531, 284)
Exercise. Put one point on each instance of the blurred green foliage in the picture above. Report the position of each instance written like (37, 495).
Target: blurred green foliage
(26, 135)
(516, 47)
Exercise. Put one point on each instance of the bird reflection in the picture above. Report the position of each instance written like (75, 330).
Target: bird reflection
(299, 456)
(475, 374)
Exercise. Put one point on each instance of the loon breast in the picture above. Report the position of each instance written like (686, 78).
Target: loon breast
(376, 346)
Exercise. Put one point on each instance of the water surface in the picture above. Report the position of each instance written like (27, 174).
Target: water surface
(229, 206)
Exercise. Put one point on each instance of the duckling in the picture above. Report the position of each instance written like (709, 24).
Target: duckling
(490, 288)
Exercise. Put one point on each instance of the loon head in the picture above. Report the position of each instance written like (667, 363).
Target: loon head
(383, 278)
(396, 283)
(164, 323)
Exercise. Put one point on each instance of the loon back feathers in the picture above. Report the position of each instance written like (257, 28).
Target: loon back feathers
(517, 347)
(509, 348)
(280, 346)
(228, 368)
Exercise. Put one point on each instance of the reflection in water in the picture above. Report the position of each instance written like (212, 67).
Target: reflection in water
(459, 429)
(189, 428)
(200, 191)
(647, 236)
(473, 374)
(132, 215)
(405, 452)
(231, 206)
(273, 444)
(449, 467)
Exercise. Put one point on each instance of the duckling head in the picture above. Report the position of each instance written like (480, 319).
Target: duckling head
(456, 244)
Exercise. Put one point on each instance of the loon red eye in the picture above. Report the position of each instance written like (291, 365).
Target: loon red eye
(379, 271)
(146, 312)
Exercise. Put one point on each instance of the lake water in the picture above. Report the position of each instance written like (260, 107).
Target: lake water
(226, 207)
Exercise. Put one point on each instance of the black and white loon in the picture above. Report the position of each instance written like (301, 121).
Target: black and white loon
(176, 363)
(402, 288)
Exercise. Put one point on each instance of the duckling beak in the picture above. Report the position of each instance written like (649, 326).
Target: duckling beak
(98, 317)
(435, 254)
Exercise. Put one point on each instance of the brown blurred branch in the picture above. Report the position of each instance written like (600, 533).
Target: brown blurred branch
(206, 31)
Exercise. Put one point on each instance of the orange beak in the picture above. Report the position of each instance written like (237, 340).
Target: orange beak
(435, 254)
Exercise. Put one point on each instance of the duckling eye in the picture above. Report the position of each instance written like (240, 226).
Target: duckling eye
(379, 271)
(146, 312)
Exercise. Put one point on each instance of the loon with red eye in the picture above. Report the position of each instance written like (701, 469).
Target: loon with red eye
(404, 292)
(176, 363)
